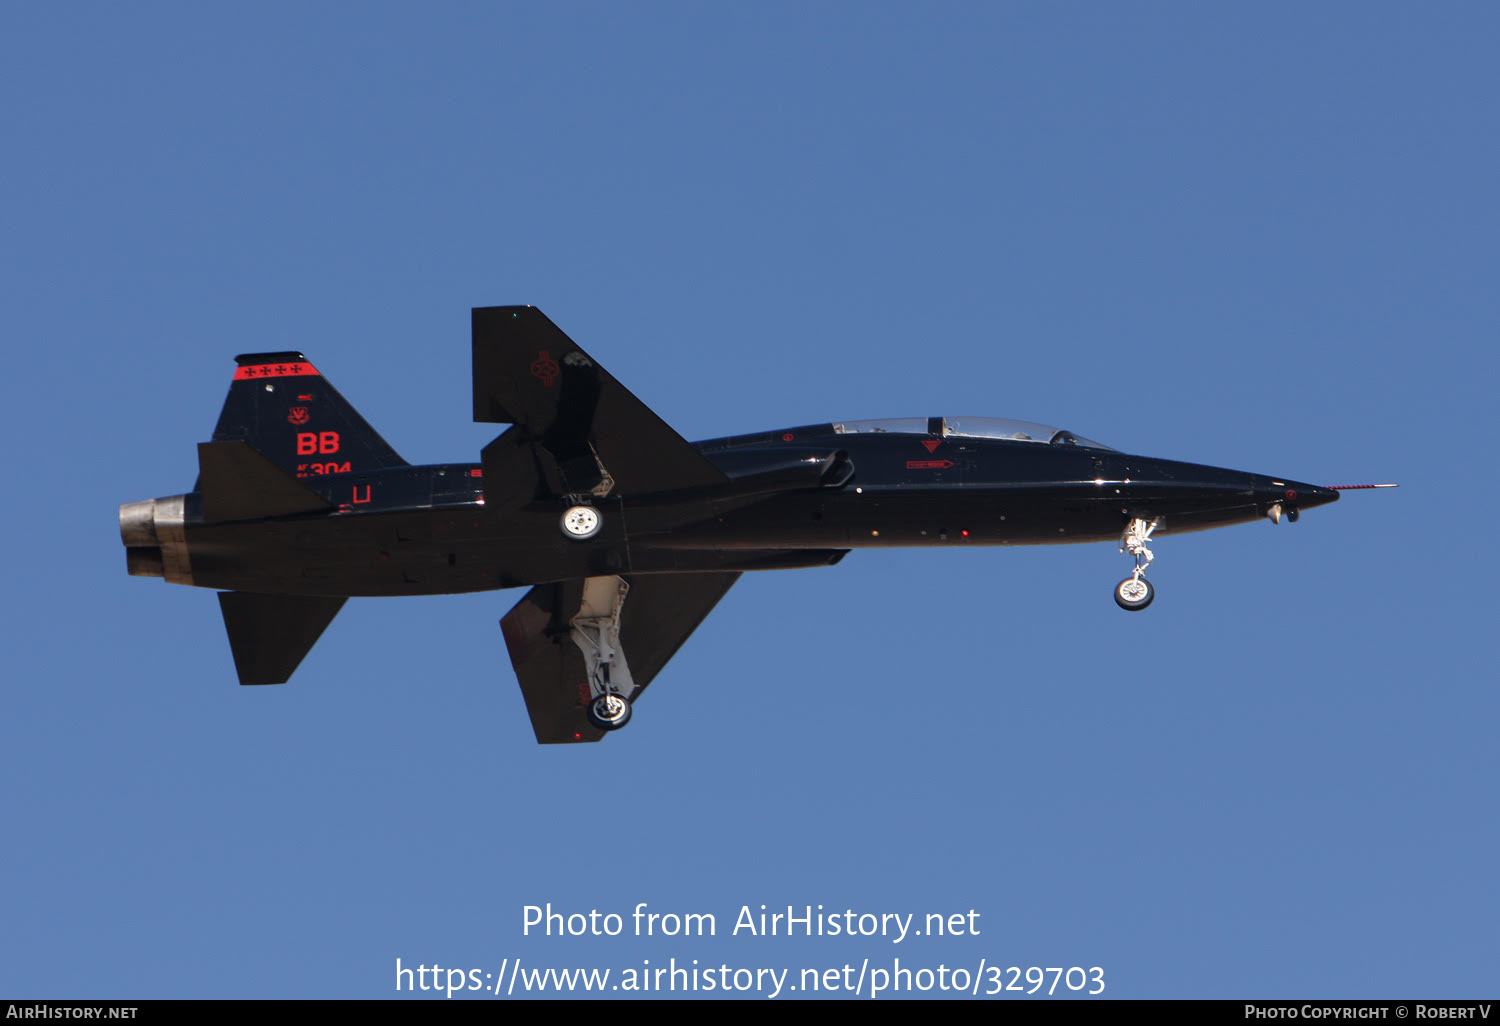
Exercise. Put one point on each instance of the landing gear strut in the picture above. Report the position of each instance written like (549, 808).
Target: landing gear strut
(1135, 592)
(596, 632)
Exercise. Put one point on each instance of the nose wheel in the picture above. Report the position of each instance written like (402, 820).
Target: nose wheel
(1135, 592)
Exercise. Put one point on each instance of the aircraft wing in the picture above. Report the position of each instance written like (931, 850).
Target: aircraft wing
(662, 611)
(596, 436)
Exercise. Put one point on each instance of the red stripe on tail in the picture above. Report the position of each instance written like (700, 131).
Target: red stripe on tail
(275, 370)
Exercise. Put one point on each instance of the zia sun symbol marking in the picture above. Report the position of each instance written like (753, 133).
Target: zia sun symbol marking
(545, 369)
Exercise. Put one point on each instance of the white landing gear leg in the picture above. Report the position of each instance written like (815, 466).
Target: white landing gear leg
(1135, 592)
(596, 631)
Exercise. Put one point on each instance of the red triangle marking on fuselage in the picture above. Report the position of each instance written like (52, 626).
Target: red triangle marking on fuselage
(932, 443)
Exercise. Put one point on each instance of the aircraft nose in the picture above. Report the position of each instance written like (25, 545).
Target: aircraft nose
(1279, 496)
(1306, 496)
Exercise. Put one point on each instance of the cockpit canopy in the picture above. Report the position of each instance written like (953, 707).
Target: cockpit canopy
(967, 427)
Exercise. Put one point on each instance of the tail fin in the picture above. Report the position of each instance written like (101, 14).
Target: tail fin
(289, 413)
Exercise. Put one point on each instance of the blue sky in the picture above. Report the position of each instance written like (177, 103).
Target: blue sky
(1257, 237)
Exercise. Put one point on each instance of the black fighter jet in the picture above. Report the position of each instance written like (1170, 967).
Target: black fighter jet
(627, 533)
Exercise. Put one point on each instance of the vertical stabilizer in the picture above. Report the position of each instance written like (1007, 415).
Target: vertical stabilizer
(292, 415)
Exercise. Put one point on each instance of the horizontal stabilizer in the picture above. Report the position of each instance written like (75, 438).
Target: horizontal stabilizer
(270, 634)
(239, 483)
(598, 437)
(660, 612)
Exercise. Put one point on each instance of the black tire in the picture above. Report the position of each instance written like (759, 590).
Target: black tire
(1129, 596)
(609, 712)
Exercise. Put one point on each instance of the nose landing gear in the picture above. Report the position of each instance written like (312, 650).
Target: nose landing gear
(1135, 592)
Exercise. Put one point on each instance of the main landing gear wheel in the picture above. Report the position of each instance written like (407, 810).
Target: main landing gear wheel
(581, 522)
(609, 712)
(1134, 593)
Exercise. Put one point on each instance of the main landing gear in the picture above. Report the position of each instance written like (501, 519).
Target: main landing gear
(580, 523)
(609, 712)
(1135, 592)
(596, 632)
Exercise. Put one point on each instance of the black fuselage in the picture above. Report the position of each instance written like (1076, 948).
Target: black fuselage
(797, 497)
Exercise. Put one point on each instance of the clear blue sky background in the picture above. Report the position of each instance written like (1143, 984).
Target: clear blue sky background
(1261, 237)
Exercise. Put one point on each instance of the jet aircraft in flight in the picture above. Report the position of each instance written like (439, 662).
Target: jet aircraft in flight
(626, 533)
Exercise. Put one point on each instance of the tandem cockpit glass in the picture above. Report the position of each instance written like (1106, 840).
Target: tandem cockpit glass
(968, 427)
